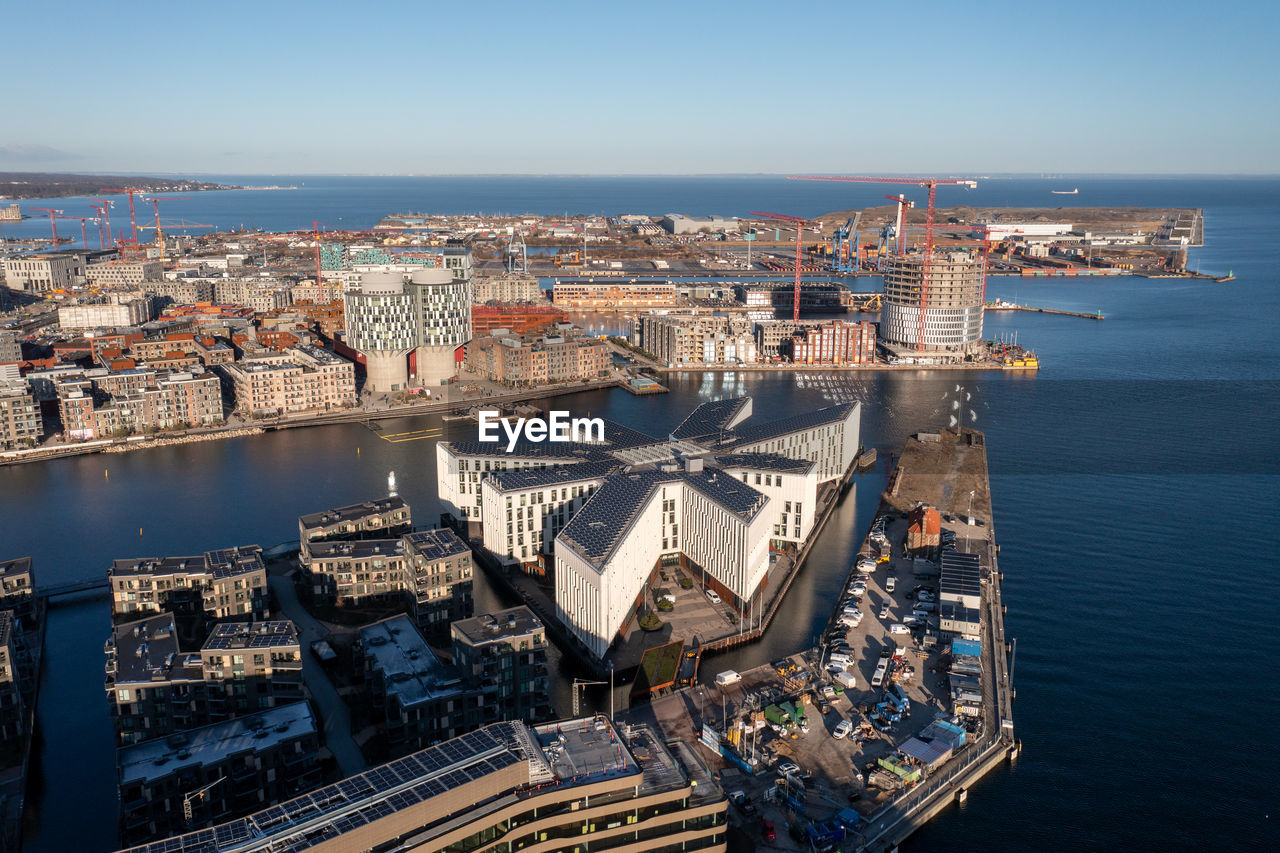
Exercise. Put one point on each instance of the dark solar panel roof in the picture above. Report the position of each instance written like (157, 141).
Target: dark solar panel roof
(961, 574)
(436, 544)
(606, 517)
(255, 635)
(554, 475)
(710, 418)
(752, 433)
(763, 461)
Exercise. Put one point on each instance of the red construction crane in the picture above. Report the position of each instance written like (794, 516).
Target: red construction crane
(931, 184)
(103, 207)
(129, 191)
(53, 222)
(84, 231)
(103, 216)
(799, 223)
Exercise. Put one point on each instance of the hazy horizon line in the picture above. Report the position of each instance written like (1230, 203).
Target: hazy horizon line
(988, 175)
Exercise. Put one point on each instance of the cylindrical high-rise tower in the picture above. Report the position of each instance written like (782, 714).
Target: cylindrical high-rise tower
(443, 315)
(381, 319)
(953, 303)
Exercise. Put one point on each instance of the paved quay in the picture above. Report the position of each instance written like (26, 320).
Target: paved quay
(946, 470)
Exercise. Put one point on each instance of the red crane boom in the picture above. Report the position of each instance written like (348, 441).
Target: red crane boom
(799, 223)
(931, 184)
(53, 222)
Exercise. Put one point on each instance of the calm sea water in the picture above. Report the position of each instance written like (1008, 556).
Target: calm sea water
(1129, 480)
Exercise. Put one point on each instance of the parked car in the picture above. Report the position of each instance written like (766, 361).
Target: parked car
(899, 628)
(829, 692)
(842, 730)
(891, 584)
(925, 595)
(839, 657)
(884, 610)
(787, 768)
(713, 596)
(767, 830)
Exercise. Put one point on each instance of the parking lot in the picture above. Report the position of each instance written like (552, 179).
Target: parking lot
(834, 771)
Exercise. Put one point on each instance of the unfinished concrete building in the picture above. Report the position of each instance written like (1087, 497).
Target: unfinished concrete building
(952, 304)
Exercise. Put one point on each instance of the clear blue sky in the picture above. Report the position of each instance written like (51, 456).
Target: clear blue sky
(642, 87)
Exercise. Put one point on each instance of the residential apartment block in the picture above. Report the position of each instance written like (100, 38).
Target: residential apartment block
(137, 401)
(155, 689)
(381, 518)
(44, 273)
(20, 421)
(216, 773)
(506, 654)
(117, 274)
(225, 584)
(613, 294)
(517, 361)
(429, 571)
(17, 688)
(109, 312)
(834, 342)
(300, 379)
(676, 339)
(507, 288)
(508, 786)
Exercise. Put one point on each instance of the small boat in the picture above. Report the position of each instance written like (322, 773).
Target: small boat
(459, 416)
(1066, 192)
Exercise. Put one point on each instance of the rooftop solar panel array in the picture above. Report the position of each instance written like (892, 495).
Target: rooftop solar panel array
(961, 574)
(764, 462)
(601, 524)
(436, 544)
(553, 475)
(361, 799)
(752, 433)
(710, 418)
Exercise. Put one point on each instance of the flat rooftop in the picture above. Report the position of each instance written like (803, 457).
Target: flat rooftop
(252, 635)
(585, 750)
(493, 627)
(160, 757)
(16, 566)
(411, 671)
(436, 544)
(361, 549)
(147, 651)
(354, 512)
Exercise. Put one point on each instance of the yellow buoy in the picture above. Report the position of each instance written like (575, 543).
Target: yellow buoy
(106, 475)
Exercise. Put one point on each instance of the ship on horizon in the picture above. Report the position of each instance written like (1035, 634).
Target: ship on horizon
(1066, 192)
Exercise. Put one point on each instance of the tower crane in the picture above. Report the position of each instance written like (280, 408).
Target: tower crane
(133, 220)
(799, 223)
(53, 222)
(104, 206)
(84, 231)
(931, 184)
(155, 203)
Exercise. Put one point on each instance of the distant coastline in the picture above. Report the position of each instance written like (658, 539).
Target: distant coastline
(24, 185)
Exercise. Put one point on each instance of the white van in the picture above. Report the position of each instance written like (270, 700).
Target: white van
(890, 584)
(727, 678)
(839, 657)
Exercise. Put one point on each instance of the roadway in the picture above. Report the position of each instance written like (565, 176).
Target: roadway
(335, 717)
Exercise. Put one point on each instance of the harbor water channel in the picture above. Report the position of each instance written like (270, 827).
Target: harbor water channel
(1128, 477)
